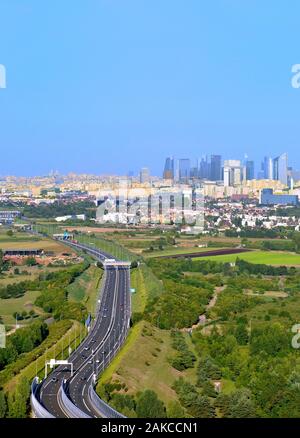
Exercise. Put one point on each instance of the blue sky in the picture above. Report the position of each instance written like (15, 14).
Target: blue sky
(108, 86)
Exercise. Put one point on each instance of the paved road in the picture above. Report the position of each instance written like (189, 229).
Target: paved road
(96, 351)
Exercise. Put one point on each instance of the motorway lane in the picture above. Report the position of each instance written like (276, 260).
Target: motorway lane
(49, 390)
(79, 388)
(114, 292)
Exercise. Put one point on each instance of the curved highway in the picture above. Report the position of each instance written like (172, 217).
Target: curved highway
(106, 336)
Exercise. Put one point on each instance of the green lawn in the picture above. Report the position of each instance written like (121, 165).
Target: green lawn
(260, 257)
(145, 284)
(85, 288)
(11, 305)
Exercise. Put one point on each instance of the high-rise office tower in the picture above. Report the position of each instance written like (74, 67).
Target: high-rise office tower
(249, 170)
(194, 170)
(184, 169)
(169, 168)
(268, 172)
(144, 175)
(215, 168)
(280, 168)
(204, 168)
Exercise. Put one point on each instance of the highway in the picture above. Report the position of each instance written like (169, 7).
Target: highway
(106, 336)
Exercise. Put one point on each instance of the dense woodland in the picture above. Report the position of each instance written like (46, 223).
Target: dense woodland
(242, 355)
(59, 208)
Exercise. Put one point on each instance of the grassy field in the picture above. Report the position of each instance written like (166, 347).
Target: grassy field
(16, 237)
(143, 363)
(11, 305)
(261, 257)
(138, 299)
(146, 285)
(85, 288)
(45, 244)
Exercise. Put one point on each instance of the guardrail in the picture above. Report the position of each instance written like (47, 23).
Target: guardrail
(38, 409)
(103, 408)
(69, 408)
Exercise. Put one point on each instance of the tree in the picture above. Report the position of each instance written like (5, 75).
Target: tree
(175, 410)
(296, 239)
(3, 405)
(10, 233)
(202, 407)
(238, 404)
(123, 403)
(241, 334)
(273, 339)
(148, 405)
(19, 399)
(30, 261)
(1, 260)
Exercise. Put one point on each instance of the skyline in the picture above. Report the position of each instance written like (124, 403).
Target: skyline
(258, 169)
(204, 79)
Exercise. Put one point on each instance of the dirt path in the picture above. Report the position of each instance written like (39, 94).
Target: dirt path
(202, 318)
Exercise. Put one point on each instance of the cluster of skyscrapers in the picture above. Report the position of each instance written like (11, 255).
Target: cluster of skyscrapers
(230, 172)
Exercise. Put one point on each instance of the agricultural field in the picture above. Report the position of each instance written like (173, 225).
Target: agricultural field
(178, 251)
(276, 258)
(21, 240)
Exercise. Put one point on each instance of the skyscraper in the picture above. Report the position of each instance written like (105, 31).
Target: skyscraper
(215, 168)
(169, 168)
(144, 175)
(249, 170)
(268, 168)
(280, 168)
(184, 169)
(204, 168)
